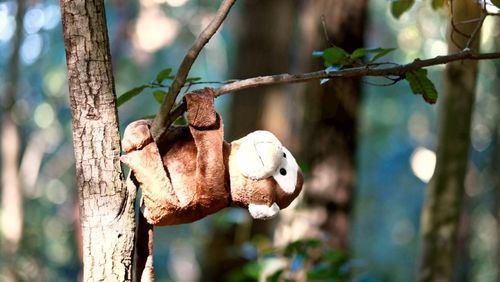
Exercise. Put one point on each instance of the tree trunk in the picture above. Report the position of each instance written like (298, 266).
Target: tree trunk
(264, 46)
(441, 212)
(106, 206)
(11, 206)
(329, 129)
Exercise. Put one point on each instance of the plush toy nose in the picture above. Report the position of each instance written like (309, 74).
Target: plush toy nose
(259, 155)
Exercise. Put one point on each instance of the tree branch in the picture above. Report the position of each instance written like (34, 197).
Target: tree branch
(351, 72)
(369, 70)
(162, 119)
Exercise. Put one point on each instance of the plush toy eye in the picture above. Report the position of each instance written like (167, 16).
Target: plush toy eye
(286, 175)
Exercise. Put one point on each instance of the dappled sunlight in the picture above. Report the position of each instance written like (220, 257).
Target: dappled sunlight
(7, 21)
(423, 162)
(182, 263)
(173, 3)
(153, 29)
(44, 115)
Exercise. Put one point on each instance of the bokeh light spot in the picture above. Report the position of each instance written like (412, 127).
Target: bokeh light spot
(7, 23)
(33, 20)
(44, 115)
(31, 48)
(56, 192)
(423, 163)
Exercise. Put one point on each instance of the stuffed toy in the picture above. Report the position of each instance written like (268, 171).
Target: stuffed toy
(193, 172)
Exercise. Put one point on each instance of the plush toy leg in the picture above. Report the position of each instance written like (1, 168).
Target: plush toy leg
(144, 271)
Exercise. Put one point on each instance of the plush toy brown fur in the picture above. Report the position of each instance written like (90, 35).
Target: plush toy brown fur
(194, 172)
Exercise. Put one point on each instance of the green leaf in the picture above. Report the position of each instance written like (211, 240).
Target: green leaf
(421, 84)
(381, 52)
(496, 3)
(275, 277)
(181, 121)
(193, 79)
(360, 52)
(130, 94)
(436, 4)
(334, 256)
(398, 7)
(252, 270)
(164, 74)
(159, 95)
(335, 56)
(322, 274)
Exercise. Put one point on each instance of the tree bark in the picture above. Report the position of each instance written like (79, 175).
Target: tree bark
(106, 205)
(443, 204)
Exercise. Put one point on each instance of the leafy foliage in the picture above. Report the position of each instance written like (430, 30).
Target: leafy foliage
(159, 96)
(309, 258)
(130, 94)
(496, 3)
(436, 4)
(335, 58)
(164, 74)
(421, 84)
(160, 93)
(399, 7)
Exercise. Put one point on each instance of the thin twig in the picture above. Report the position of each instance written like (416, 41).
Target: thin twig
(476, 30)
(397, 71)
(161, 121)
(325, 31)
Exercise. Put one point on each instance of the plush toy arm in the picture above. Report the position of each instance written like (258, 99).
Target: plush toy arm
(144, 160)
(208, 133)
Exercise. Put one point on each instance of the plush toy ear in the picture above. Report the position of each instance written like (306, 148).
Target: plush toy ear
(286, 174)
(259, 155)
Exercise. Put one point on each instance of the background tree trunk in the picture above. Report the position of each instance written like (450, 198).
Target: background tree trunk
(264, 33)
(329, 123)
(440, 216)
(12, 215)
(106, 206)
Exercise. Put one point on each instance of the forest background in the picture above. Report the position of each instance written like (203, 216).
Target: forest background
(392, 141)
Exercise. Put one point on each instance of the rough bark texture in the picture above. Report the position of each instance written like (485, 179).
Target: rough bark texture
(441, 213)
(329, 124)
(106, 206)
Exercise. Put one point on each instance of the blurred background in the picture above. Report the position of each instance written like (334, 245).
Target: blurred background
(366, 147)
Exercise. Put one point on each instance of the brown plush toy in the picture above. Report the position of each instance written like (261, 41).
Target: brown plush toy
(194, 173)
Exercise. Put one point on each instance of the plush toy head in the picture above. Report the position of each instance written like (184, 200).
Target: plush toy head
(264, 175)
(196, 173)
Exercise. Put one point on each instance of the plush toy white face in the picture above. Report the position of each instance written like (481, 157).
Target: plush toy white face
(286, 173)
(261, 156)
